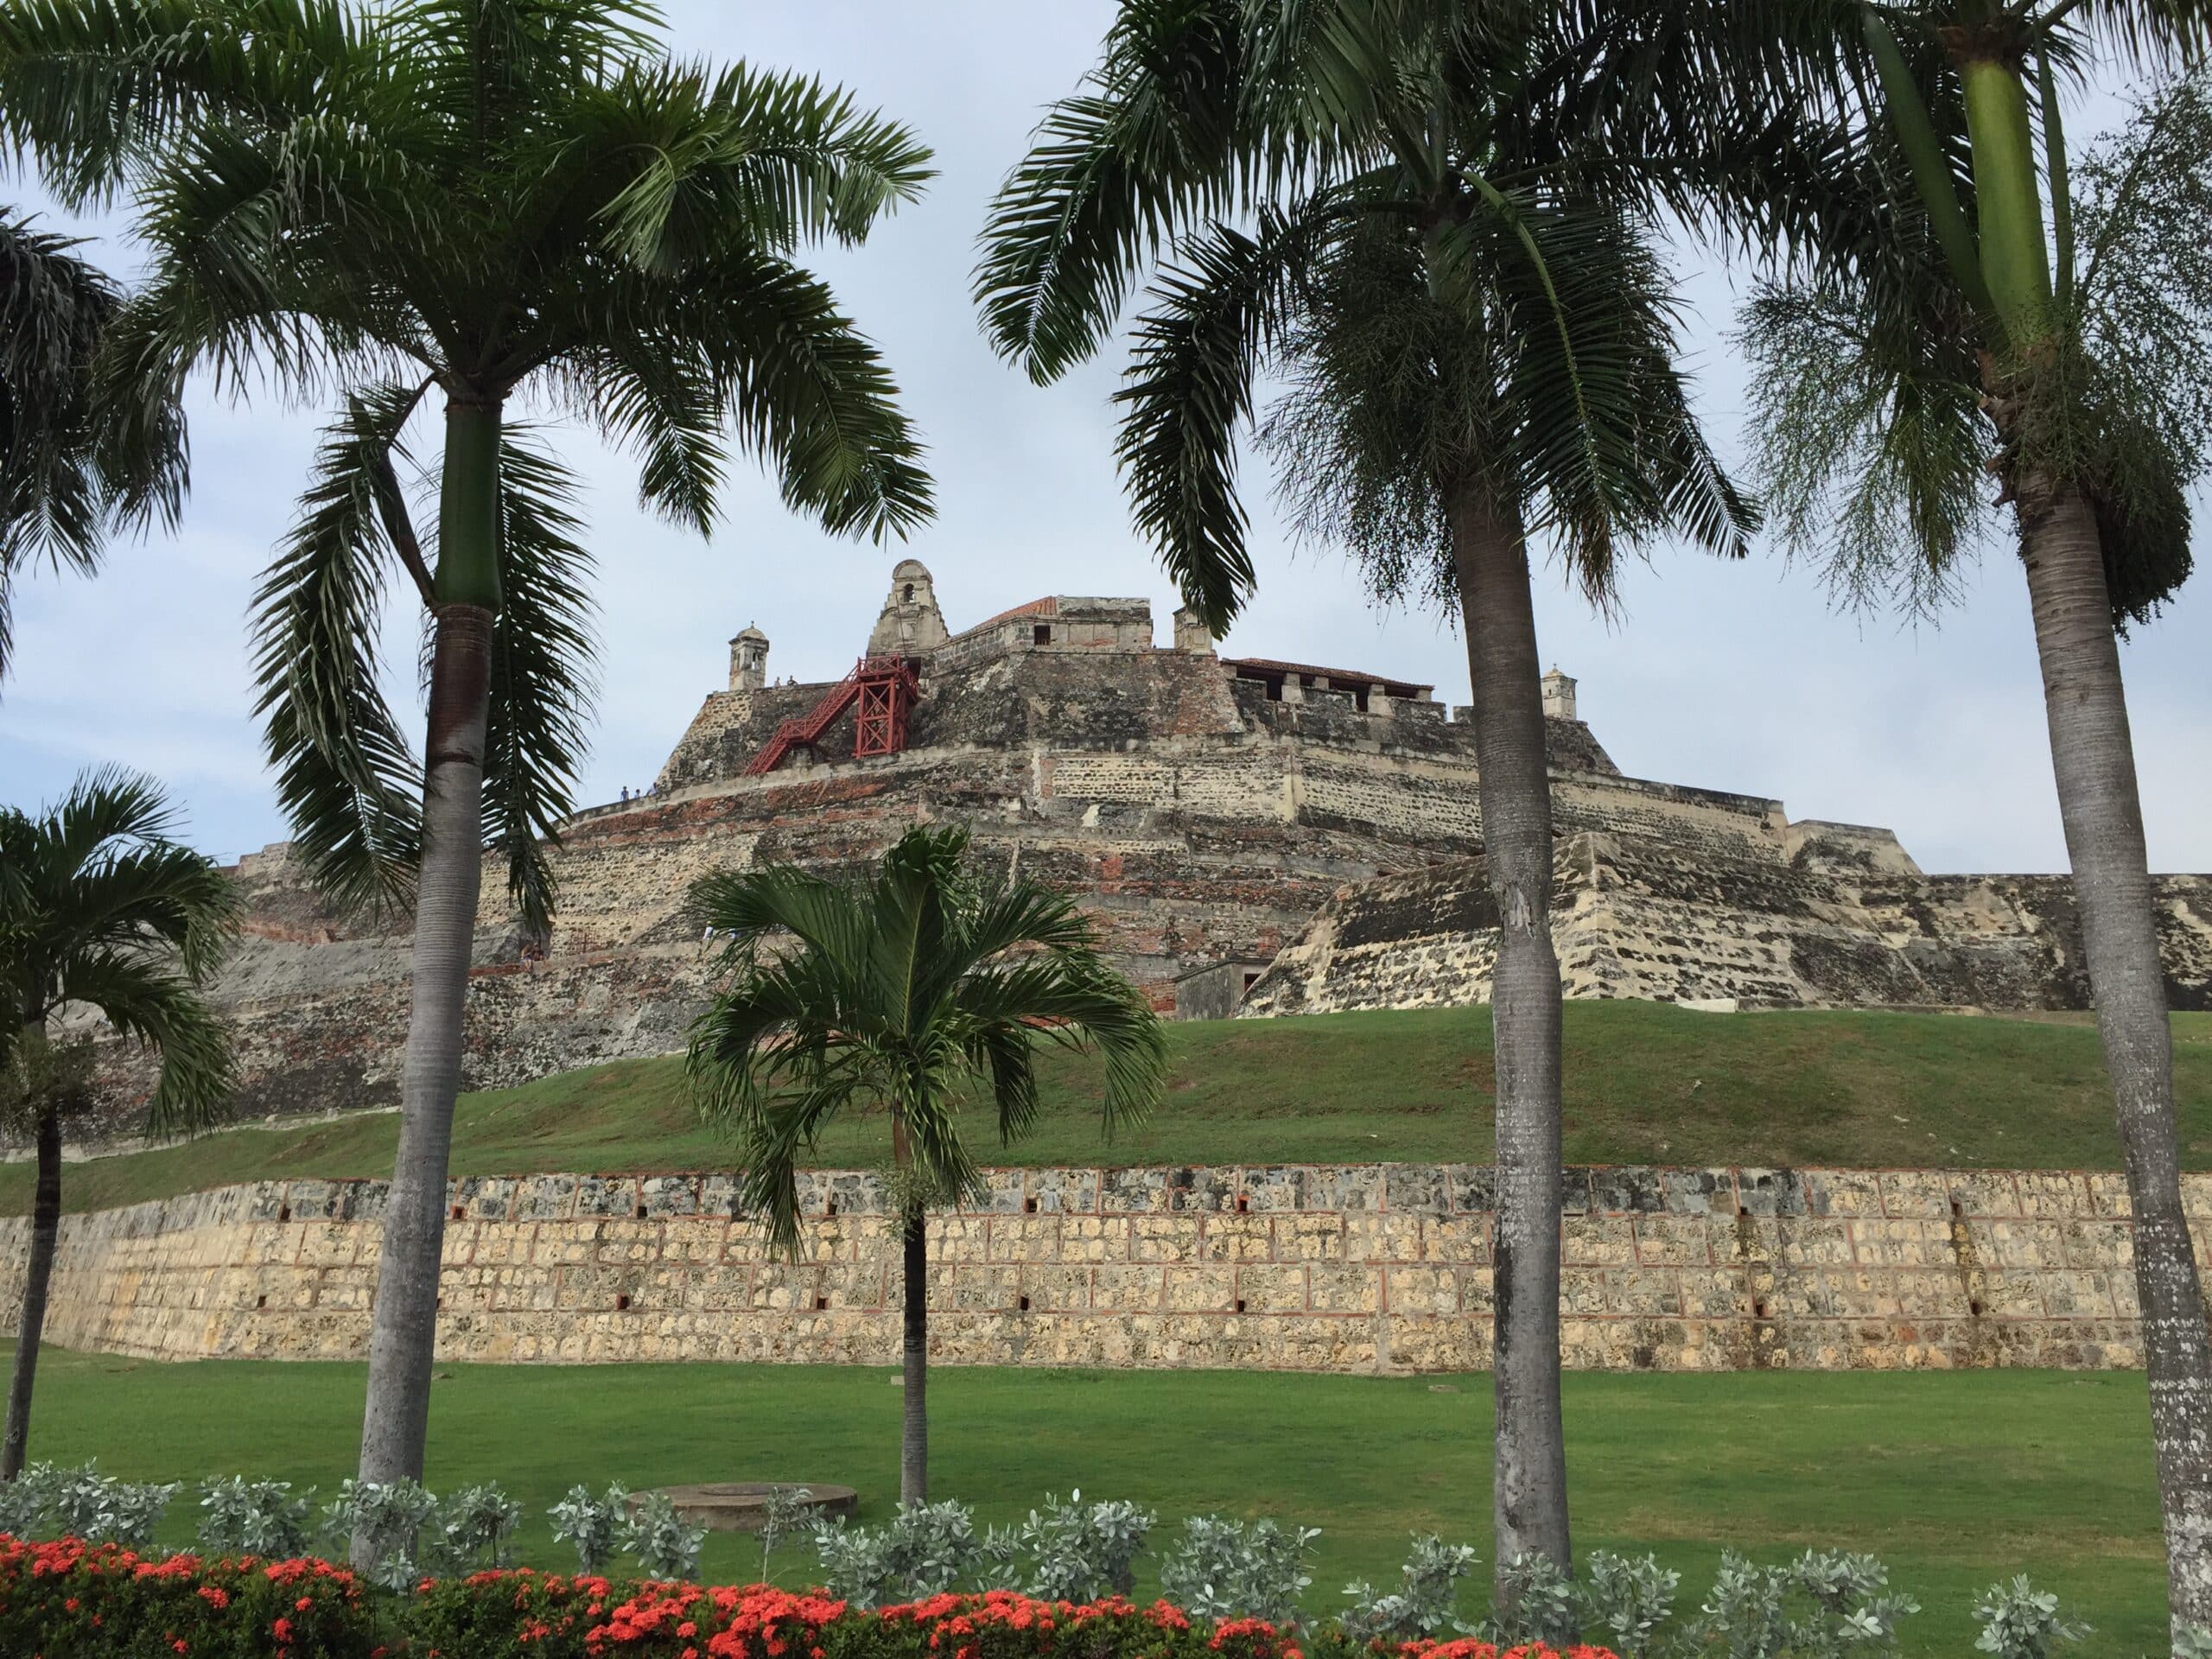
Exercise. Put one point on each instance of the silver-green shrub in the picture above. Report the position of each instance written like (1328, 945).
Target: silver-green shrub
(595, 1527)
(783, 1512)
(1626, 1601)
(1426, 1602)
(1072, 1551)
(27, 1501)
(239, 1516)
(389, 1517)
(1538, 1603)
(2021, 1622)
(665, 1544)
(922, 1549)
(476, 1529)
(1824, 1604)
(1235, 1569)
(88, 1504)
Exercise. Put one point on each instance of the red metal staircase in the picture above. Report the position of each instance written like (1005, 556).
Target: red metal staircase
(884, 686)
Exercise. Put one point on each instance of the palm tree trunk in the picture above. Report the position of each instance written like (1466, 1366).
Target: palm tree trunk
(46, 1224)
(914, 1426)
(403, 1332)
(2093, 759)
(1514, 791)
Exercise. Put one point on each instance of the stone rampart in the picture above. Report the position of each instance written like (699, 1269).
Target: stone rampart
(1360, 1268)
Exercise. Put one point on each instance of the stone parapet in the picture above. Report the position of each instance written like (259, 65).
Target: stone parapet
(1346, 1268)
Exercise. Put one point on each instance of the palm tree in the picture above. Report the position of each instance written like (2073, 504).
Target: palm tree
(499, 200)
(1392, 209)
(1958, 333)
(82, 453)
(100, 909)
(905, 991)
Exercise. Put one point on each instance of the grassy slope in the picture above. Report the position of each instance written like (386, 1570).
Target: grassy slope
(1953, 1478)
(1647, 1083)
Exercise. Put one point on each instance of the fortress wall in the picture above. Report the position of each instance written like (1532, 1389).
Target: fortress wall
(1305, 1267)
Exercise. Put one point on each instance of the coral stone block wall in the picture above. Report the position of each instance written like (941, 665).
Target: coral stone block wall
(1363, 1268)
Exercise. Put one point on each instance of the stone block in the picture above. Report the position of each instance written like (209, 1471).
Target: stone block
(1163, 1238)
(1672, 1240)
(1418, 1189)
(1383, 1236)
(1268, 1187)
(1237, 1238)
(1125, 1288)
(1338, 1289)
(1199, 1290)
(1309, 1238)
(1767, 1193)
(1271, 1288)
(1597, 1241)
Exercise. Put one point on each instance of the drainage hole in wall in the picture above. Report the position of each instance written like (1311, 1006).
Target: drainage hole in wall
(1025, 1303)
(1240, 1304)
(641, 1212)
(821, 1304)
(261, 1301)
(830, 1208)
(621, 1303)
(1974, 1307)
(1029, 1205)
(1244, 1203)
(459, 1210)
(284, 1212)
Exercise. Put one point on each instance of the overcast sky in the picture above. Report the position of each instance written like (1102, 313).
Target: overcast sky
(1740, 677)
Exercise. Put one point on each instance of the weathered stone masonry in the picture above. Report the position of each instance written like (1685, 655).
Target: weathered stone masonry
(1215, 816)
(1349, 1269)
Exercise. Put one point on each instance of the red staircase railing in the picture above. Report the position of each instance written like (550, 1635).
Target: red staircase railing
(885, 688)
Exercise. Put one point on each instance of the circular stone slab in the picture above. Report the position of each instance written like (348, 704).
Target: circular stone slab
(735, 1505)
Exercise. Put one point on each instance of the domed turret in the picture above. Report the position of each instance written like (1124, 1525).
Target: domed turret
(748, 660)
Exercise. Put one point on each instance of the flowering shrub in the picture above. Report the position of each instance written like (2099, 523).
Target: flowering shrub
(66, 1598)
(1006, 1624)
(546, 1616)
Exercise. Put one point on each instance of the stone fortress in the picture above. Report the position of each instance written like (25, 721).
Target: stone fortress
(1253, 837)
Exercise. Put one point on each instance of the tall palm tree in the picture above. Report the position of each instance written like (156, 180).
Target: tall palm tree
(83, 451)
(101, 909)
(903, 992)
(497, 200)
(1392, 207)
(1966, 332)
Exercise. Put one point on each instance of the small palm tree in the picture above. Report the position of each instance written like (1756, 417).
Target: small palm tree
(1959, 329)
(903, 992)
(85, 449)
(1412, 216)
(100, 909)
(494, 200)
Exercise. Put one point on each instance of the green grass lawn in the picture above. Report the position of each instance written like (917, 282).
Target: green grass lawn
(1954, 1478)
(1646, 1082)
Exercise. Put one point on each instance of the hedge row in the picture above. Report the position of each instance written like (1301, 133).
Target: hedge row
(66, 1598)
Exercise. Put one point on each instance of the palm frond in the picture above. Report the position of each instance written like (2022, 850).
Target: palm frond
(1112, 173)
(1209, 320)
(84, 450)
(346, 775)
(543, 678)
